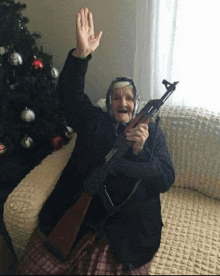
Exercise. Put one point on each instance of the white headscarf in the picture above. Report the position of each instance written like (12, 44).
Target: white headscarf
(120, 82)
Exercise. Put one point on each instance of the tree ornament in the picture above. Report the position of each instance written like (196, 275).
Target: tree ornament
(54, 73)
(2, 148)
(69, 132)
(20, 25)
(27, 115)
(57, 142)
(15, 59)
(13, 86)
(37, 64)
(27, 142)
(2, 50)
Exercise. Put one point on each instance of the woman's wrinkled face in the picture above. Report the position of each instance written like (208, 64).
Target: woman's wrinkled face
(123, 104)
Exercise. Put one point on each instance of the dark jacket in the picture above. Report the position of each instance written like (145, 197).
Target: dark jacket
(134, 232)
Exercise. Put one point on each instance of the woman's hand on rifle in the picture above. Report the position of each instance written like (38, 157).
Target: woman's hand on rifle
(138, 135)
(87, 41)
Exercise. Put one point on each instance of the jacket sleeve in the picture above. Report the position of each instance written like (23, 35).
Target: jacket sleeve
(77, 107)
(153, 165)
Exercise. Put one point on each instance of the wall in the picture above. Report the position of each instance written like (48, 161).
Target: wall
(55, 21)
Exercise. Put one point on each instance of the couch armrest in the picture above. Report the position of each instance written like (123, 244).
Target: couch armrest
(25, 202)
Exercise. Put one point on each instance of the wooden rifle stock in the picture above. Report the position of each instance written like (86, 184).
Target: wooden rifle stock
(63, 236)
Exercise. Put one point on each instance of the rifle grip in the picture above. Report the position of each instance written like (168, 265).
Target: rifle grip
(139, 119)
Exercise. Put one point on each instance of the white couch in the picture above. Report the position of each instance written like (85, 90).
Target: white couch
(191, 208)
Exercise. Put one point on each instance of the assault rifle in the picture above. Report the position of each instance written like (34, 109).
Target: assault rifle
(64, 234)
(94, 183)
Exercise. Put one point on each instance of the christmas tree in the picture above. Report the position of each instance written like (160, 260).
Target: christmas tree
(31, 121)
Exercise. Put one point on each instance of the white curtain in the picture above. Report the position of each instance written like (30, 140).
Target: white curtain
(179, 40)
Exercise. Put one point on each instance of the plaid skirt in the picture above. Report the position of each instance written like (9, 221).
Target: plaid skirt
(91, 256)
(95, 258)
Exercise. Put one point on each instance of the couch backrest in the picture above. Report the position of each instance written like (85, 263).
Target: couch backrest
(193, 139)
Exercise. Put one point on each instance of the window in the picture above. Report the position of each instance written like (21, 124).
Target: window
(196, 53)
(179, 40)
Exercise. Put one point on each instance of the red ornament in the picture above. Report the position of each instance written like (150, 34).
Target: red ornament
(57, 142)
(2, 148)
(37, 64)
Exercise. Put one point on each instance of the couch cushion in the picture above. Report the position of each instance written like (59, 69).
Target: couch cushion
(190, 236)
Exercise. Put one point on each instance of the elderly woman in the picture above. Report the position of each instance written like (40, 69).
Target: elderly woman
(129, 237)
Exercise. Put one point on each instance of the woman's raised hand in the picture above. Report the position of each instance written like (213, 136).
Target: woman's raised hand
(87, 41)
